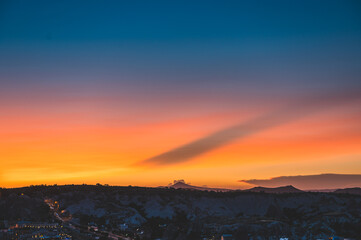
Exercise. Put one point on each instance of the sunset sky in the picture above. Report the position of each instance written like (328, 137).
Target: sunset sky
(144, 92)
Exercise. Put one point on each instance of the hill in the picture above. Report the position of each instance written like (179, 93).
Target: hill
(284, 189)
(180, 184)
(356, 190)
(181, 213)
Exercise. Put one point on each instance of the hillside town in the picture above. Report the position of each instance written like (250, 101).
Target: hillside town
(106, 212)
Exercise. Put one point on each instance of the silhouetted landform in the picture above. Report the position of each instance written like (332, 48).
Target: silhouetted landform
(322, 190)
(180, 184)
(285, 189)
(349, 191)
(186, 214)
(17, 205)
(310, 182)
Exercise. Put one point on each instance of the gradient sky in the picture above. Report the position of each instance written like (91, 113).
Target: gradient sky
(144, 92)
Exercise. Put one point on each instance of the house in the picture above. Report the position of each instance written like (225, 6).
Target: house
(227, 237)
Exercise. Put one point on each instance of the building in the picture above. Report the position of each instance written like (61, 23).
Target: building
(227, 237)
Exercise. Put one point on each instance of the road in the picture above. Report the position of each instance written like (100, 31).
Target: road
(74, 226)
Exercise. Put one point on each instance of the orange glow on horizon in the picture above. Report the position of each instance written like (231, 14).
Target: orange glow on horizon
(91, 146)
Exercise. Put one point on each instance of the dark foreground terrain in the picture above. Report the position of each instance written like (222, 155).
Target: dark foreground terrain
(107, 212)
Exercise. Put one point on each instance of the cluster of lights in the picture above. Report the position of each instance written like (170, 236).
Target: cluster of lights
(40, 225)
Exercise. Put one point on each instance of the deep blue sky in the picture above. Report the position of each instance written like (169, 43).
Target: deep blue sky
(177, 21)
(253, 44)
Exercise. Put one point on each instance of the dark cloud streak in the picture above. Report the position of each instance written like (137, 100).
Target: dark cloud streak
(293, 111)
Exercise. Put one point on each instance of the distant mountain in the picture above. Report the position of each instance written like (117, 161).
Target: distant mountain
(180, 184)
(284, 189)
(355, 190)
(310, 182)
(321, 190)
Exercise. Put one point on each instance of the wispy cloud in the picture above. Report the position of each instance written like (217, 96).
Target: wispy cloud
(291, 112)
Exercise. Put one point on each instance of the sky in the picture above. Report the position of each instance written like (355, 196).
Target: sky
(144, 92)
